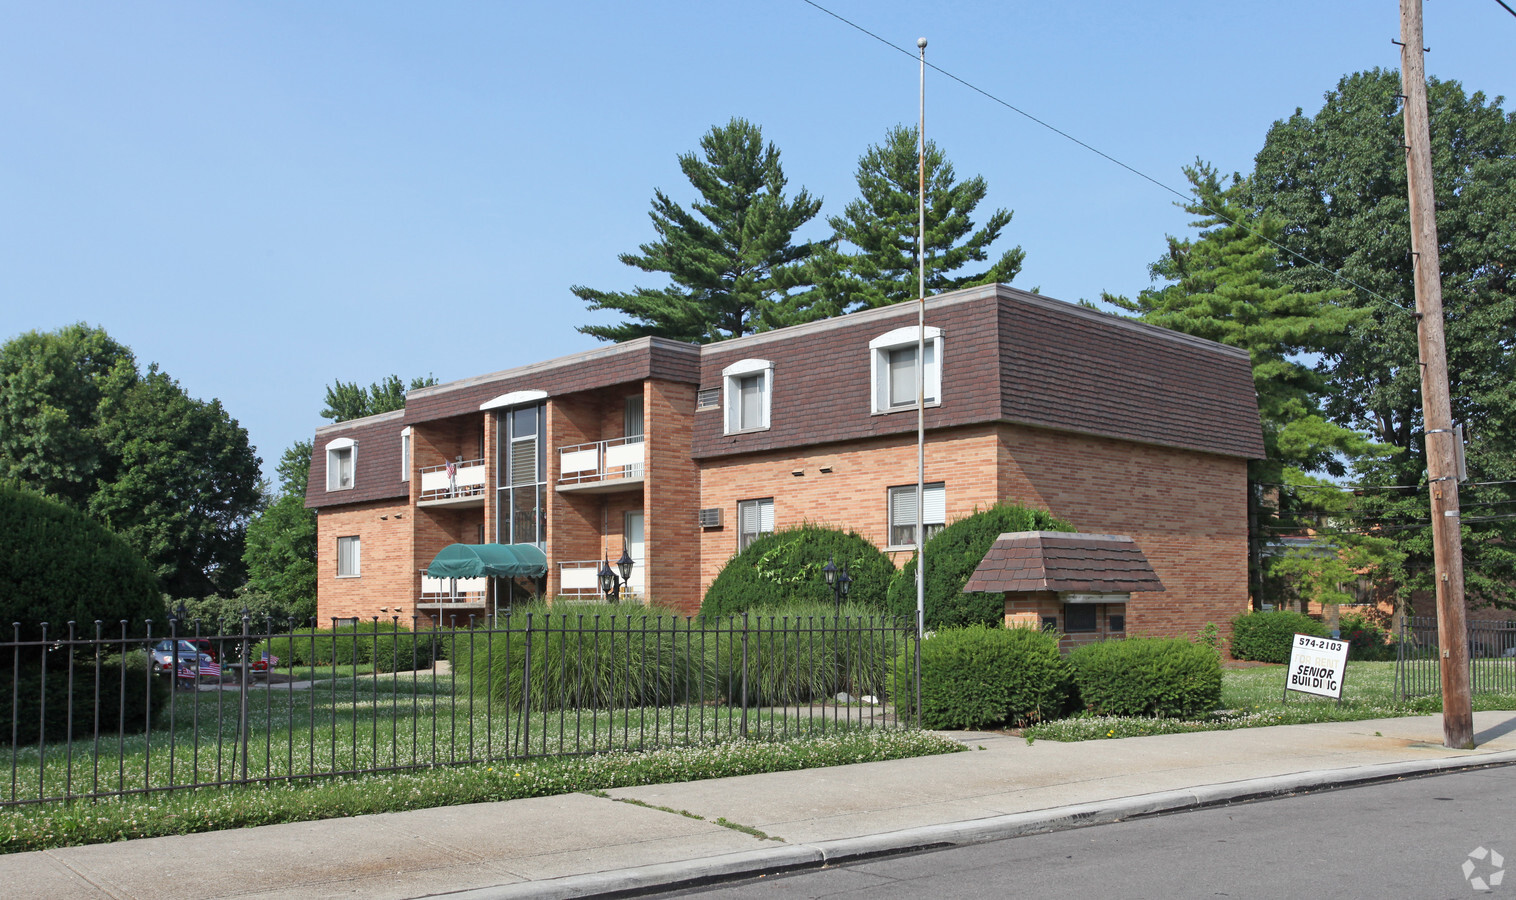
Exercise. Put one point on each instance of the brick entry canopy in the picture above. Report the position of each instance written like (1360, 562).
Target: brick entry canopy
(1075, 583)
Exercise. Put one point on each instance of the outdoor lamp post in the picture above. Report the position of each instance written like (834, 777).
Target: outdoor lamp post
(611, 580)
(838, 580)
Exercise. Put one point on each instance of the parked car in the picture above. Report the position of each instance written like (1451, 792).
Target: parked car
(189, 656)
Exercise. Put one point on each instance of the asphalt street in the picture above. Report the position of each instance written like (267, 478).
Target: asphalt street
(1411, 838)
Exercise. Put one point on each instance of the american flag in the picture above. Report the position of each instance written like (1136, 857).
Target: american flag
(186, 672)
(210, 668)
(271, 660)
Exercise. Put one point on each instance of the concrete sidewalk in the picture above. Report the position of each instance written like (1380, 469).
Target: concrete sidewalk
(665, 836)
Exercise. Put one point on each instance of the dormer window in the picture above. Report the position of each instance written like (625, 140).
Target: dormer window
(894, 368)
(341, 464)
(748, 386)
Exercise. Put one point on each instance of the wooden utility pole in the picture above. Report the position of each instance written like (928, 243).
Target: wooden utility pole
(1436, 405)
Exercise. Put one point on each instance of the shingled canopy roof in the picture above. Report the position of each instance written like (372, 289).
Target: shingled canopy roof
(1063, 561)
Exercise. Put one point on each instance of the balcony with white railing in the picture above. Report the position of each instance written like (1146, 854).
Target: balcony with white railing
(452, 593)
(603, 466)
(454, 484)
(579, 580)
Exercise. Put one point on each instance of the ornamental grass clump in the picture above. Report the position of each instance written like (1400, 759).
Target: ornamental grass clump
(594, 656)
(978, 677)
(1269, 636)
(800, 654)
(1167, 677)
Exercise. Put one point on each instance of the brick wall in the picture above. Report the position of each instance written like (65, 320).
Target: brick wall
(385, 561)
(1029, 610)
(671, 496)
(1186, 510)
(853, 495)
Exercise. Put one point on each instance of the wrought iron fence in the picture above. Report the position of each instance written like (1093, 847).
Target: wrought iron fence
(1492, 658)
(102, 713)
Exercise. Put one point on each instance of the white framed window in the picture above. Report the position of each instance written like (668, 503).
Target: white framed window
(747, 385)
(405, 453)
(348, 551)
(893, 365)
(341, 464)
(902, 512)
(754, 518)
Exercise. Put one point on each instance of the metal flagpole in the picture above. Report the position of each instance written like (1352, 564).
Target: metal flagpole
(921, 358)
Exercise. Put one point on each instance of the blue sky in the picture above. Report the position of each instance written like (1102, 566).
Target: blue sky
(266, 197)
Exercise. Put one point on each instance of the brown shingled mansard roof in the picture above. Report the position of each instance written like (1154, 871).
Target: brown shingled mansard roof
(1063, 561)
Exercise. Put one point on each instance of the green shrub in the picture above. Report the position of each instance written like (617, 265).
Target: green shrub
(1366, 640)
(1269, 636)
(597, 656)
(785, 569)
(404, 651)
(801, 654)
(951, 557)
(124, 712)
(1168, 677)
(59, 566)
(978, 677)
(345, 645)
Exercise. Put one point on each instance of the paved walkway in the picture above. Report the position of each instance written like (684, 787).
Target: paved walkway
(670, 835)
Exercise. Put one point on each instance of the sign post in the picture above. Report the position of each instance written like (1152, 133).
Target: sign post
(1317, 666)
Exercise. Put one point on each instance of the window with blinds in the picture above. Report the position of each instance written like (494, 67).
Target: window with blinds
(754, 517)
(520, 448)
(347, 557)
(749, 385)
(896, 364)
(902, 512)
(341, 464)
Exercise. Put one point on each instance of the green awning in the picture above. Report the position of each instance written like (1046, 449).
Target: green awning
(500, 560)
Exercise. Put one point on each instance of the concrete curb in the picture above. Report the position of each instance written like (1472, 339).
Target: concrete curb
(789, 857)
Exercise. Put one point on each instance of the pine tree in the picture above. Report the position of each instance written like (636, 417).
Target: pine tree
(731, 258)
(1226, 285)
(882, 223)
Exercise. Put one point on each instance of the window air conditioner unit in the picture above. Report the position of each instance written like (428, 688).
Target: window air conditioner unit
(710, 518)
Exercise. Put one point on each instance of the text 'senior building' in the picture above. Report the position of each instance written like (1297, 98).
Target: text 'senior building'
(681, 454)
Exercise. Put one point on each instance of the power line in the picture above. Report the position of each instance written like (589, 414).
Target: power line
(1109, 158)
(1351, 488)
(1507, 8)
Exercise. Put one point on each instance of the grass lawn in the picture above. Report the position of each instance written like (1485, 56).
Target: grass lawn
(212, 809)
(1253, 697)
(453, 746)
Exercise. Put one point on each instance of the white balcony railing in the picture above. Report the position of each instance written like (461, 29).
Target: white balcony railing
(453, 590)
(619, 458)
(464, 479)
(579, 579)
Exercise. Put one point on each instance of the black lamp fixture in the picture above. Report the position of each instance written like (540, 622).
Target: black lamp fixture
(611, 580)
(837, 579)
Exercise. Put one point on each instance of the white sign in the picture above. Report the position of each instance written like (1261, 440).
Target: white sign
(1317, 666)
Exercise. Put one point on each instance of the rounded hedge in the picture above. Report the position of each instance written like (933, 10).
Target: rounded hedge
(59, 566)
(951, 557)
(978, 677)
(1269, 636)
(785, 569)
(1167, 677)
(388, 646)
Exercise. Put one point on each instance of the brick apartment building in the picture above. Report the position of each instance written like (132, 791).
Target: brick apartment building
(681, 454)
